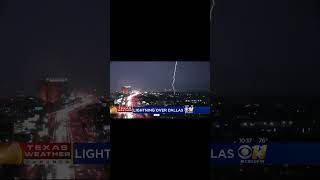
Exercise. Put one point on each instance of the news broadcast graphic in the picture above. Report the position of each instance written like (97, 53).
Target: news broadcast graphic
(164, 90)
(47, 153)
(54, 153)
(187, 109)
(91, 153)
(265, 154)
(11, 154)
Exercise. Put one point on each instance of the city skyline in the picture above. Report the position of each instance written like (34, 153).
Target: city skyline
(158, 75)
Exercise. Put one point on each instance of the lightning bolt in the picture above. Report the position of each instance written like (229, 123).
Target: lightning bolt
(174, 77)
(211, 10)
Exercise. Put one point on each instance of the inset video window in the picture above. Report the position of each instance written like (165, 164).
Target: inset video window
(159, 89)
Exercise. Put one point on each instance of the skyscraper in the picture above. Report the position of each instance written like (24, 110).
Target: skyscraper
(126, 89)
(53, 91)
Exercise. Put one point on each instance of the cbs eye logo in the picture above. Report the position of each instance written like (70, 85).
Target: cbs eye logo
(245, 152)
(255, 152)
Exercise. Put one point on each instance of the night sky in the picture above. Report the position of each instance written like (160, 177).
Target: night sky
(261, 47)
(54, 38)
(267, 47)
(157, 76)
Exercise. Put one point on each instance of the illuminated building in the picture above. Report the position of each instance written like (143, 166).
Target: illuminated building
(53, 90)
(126, 89)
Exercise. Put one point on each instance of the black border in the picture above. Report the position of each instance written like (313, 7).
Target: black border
(163, 30)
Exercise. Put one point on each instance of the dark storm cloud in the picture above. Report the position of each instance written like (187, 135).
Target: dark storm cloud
(260, 47)
(53, 38)
(266, 47)
(143, 75)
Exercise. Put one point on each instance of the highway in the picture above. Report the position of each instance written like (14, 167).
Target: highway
(68, 126)
(62, 133)
(132, 101)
